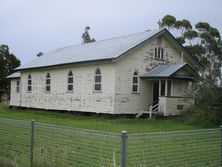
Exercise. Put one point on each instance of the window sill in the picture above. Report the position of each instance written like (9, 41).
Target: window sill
(69, 91)
(159, 59)
(135, 92)
(29, 91)
(95, 91)
(47, 91)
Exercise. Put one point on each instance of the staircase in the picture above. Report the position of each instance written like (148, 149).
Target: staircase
(153, 109)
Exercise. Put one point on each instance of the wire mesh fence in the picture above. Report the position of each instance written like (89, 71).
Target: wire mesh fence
(58, 146)
(197, 148)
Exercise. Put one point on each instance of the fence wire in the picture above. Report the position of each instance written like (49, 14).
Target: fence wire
(196, 148)
(58, 146)
(64, 147)
(15, 142)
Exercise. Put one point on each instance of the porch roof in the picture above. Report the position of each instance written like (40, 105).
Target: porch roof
(14, 75)
(171, 71)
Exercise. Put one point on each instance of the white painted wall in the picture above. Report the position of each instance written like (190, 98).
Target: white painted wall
(142, 60)
(14, 96)
(82, 99)
(169, 105)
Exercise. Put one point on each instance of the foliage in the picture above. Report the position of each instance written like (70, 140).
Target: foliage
(168, 21)
(86, 37)
(208, 109)
(8, 63)
(190, 35)
(203, 42)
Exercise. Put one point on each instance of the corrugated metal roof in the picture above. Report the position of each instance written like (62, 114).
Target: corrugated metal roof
(14, 75)
(162, 71)
(100, 50)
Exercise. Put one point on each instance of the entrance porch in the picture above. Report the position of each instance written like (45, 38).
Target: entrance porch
(170, 86)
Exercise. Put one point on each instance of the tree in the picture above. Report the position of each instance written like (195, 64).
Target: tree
(203, 41)
(167, 21)
(86, 37)
(8, 63)
(190, 35)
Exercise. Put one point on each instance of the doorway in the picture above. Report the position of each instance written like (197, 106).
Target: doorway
(155, 91)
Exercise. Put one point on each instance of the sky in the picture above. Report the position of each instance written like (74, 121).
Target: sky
(32, 26)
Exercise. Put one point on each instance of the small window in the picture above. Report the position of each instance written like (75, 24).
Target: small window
(97, 80)
(135, 86)
(70, 81)
(159, 53)
(48, 83)
(17, 86)
(29, 84)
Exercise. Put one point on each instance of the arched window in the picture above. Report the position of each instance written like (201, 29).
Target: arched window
(29, 84)
(18, 86)
(135, 86)
(48, 83)
(97, 80)
(70, 81)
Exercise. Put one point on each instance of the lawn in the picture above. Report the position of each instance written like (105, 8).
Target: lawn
(99, 123)
(67, 145)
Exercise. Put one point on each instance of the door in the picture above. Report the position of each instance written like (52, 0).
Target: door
(155, 91)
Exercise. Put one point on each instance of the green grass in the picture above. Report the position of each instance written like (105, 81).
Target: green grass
(60, 146)
(99, 123)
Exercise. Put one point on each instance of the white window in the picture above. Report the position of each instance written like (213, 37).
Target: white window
(135, 85)
(29, 84)
(97, 80)
(48, 83)
(159, 53)
(70, 81)
(17, 86)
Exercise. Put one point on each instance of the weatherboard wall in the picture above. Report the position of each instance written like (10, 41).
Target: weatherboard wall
(83, 98)
(14, 96)
(142, 60)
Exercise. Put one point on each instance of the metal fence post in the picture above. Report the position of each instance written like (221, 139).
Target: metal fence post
(124, 149)
(32, 142)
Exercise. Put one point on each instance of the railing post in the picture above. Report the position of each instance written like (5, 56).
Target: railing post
(221, 145)
(124, 149)
(151, 110)
(32, 142)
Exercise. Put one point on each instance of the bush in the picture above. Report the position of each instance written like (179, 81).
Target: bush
(208, 109)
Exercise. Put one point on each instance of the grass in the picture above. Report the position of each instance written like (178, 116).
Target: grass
(99, 123)
(57, 146)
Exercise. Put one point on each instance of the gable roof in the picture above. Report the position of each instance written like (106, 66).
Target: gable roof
(108, 49)
(169, 71)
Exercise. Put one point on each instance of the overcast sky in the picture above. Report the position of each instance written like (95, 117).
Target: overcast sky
(31, 26)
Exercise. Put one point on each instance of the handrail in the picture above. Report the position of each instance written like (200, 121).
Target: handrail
(156, 101)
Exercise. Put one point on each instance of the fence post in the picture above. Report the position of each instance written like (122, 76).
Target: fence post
(32, 142)
(124, 149)
(221, 145)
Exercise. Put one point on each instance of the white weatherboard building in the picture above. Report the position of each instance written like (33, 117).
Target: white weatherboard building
(143, 72)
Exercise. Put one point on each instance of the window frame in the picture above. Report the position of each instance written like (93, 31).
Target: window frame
(135, 75)
(159, 53)
(29, 85)
(17, 88)
(97, 82)
(72, 83)
(48, 85)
